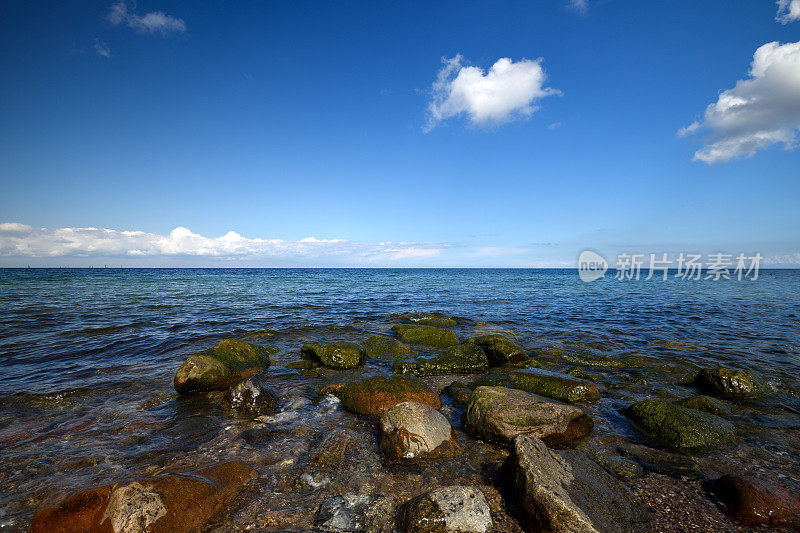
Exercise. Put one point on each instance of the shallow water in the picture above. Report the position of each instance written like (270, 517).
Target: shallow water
(88, 356)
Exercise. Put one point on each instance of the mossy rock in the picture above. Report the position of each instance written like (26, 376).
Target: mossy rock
(679, 428)
(372, 396)
(304, 364)
(433, 319)
(428, 335)
(385, 348)
(542, 382)
(500, 349)
(458, 359)
(736, 384)
(337, 355)
(705, 403)
(459, 392)
(231, 360)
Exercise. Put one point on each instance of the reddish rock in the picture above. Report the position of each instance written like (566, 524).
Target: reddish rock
(755, 503)
(372, 396)
(172, 502)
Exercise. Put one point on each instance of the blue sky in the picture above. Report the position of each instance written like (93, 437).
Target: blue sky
(296, 123)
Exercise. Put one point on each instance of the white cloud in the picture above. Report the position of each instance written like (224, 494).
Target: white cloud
(153, 22)
(507, 91)
(579, 6)
(20, 240)
(788, 11)
(757, 112)
(102, 49)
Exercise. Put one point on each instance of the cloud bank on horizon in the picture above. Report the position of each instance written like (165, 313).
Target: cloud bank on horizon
(757, 112)
(505, 93)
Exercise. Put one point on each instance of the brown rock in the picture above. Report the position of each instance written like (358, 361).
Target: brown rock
(372, 395)
(756, 503)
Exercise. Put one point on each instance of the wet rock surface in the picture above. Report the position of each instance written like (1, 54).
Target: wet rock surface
(456, 509)
(554, 385)
(385, 348)
(500, 349)
(428, 335)
(251, 398)
(337, 355)
(219, 367)
(735, 384)
(355, 513)
(499, 414)
(372, 396)
(459, 392)
(679, 428)
(412, 430)
(754, 502)
(459, 359)
(707, 404)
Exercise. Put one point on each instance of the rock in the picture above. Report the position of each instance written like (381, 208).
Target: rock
(500, 349)
(335, 449)
(411, 430)
(736, 384)
(173, 502)
(219, 367)
(459, 392)
(447, 509)
(678, 428)
(354, 512)
(568, 492)
(621, 467)
(251, 398)
(544, 383)
(372, 396)
(458, 359)
(385, 348)
(303, 364)
(756, 503)
(705, 403)
(432, 319)
(498, 414)
(429, 335)
(337, 355)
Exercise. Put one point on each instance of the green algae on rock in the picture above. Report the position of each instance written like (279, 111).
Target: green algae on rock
(432, 319)
(679, 428)
(705, 403)
(498, 414)
(459, 392)
(219, 367)
(385, 348)
(371, 396)
(544, 383)
(429, 335)
(337, 355)
(736, 384)
(500, 349)
(459, 359)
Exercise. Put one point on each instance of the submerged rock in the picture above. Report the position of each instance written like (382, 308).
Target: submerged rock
(174, 502)
(429, 335)
(498, 414)
(411, 430)
(336, 449)
(568, 492)
(459, 392)
(355, 513)
(679, 428)
(251, 398)
(458, 359)
(736, 384)
(337, 355)
(432, 319)
(705, 403)
(456, 509)
(756, 503)
(372, 396)
(303, 364)
(385, 348)
(500, 349)
(544, 383)
(219, 367)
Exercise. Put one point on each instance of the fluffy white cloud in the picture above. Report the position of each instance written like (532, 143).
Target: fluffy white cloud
(580, 6)
(788, 11)
(155, 21)
(757, 112)
(20, 240)
(507, 91)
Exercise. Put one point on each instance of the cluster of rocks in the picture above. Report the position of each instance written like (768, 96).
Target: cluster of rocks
(536, 413)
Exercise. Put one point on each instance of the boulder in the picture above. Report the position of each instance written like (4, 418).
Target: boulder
(498, 414)
(735, 384)
(428, 335)
(705, 403)
(567, 492)
(385, 348)
(458, 359)
(459, 392)
(173, 502)
(500, 349)
(337, 355)
(355, 513)
(456, 509)
(432, 319)
(544, 383)
(411, 430)
(219, 367)
(372, 396)
(679, 428)
(757, 503)
(251, 398)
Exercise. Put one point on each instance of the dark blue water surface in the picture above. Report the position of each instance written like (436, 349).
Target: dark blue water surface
(87, 358)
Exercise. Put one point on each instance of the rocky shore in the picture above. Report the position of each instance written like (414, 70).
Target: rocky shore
(438, 424)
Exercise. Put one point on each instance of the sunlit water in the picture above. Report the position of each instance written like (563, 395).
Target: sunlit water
(87, 359)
